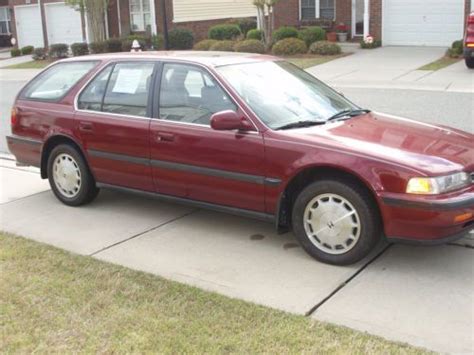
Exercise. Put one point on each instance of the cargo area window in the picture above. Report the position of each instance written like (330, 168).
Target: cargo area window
(54, 83)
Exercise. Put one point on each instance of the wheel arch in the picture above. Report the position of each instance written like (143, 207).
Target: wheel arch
(50, 144)
(308, 175)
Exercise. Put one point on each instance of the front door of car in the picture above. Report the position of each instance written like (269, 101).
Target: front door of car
(113, 120)
(189, 158)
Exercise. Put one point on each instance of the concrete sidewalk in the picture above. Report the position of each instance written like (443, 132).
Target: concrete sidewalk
(423, 296)
(395, 68)
(7, 60)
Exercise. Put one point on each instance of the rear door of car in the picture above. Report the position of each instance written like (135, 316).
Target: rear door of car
(113, 118)
(188, 157)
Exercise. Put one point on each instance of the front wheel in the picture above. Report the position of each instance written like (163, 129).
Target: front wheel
(69, 176)
(336, 221)
(470, 63)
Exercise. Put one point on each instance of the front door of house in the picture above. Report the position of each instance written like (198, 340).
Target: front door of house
(358, 9)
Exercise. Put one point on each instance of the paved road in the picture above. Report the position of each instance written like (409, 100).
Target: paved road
(445, 108)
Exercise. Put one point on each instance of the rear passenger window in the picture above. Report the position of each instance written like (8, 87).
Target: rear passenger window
(91, 98)
(55, 82)
(128, 89)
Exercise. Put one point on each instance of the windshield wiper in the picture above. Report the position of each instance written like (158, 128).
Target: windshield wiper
(348, 113)
(300, 124)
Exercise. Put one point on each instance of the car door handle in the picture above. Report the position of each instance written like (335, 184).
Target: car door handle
(164, 137)
(86, 127)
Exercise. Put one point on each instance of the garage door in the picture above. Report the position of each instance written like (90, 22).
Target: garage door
(28, 26)
(422, 23)
(63, 24)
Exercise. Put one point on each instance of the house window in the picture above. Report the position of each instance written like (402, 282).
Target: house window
(326, 9)
(308, 9)
(311, 9)
(140, 16)
(5, 24)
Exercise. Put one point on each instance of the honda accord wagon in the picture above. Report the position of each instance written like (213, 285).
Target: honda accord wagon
(246, 134)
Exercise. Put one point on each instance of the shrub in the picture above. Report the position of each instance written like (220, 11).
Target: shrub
(456, 49)
(97, 47)
(27, 50)
(157, 42)
(255, 34)
(312, 34)
(58, 50)
(250, 46)
(223, 46)
(325, 48)
(246, 25)
(126, 45)
(145, 41)
(285, 32)
(180, 38)
(375, 43)
(40, 54)
(289, 46)
(224, 32)
(79, 49)
(15, 52)
(113, 45)
(205, 45)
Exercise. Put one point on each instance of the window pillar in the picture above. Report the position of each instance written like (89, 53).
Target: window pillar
(366, 18)
(154, 29)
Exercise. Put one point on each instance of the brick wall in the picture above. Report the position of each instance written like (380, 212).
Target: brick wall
(376, 18)
(287, 13)
(467, 11)
(344, 13)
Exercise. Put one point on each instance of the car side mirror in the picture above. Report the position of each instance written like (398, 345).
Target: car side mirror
(229, 120)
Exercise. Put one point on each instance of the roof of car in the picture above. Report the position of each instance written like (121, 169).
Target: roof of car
(213, 59)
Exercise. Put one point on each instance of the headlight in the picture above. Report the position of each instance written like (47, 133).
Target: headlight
(438, 185)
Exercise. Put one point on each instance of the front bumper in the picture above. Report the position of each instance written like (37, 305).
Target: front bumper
(468, 52)
(428, 219)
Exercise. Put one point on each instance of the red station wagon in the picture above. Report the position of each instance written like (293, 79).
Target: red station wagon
(246, 134)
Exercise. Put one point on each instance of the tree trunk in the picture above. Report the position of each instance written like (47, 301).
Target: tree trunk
(95, 19)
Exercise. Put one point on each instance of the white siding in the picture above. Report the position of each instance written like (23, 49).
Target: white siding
(199, 10)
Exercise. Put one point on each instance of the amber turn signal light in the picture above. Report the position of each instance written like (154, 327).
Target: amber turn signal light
(462, 217)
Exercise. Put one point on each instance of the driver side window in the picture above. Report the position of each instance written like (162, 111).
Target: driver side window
(189, 94)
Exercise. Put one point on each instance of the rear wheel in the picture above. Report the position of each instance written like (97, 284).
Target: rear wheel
(336, 221)
(470, 63)
(69, 176)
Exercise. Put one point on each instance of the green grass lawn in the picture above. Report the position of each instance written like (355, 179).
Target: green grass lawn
(34, 64)
(56, 302)
(309, 60)
(440, 63)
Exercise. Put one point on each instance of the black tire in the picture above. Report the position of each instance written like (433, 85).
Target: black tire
(87, 191)
(367, 215)
(470, 63)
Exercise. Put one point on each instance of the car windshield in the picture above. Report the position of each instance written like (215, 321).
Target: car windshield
(281, 94)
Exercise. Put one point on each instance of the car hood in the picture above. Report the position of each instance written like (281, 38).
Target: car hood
(433, 150)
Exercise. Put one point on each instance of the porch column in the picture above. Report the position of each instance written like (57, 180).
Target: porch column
(366, 18)
(154, 29)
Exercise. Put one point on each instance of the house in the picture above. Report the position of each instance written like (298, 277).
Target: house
(395, 22)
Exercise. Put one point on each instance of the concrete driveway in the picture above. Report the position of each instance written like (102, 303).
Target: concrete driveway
(423, 296)
(395, 68)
